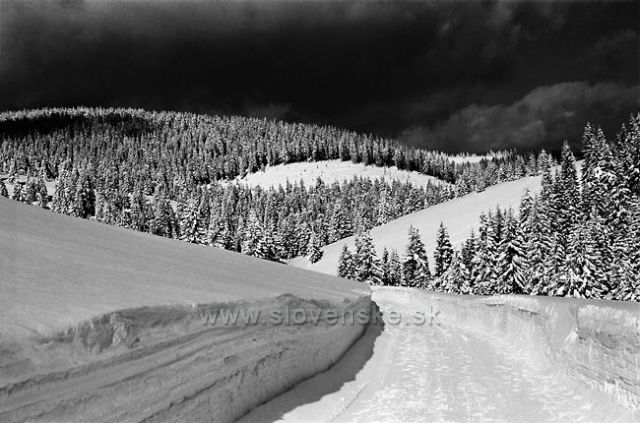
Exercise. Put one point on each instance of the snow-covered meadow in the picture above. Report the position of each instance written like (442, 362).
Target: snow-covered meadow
(331, 171)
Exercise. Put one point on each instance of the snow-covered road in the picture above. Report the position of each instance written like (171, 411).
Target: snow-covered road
(434, 372)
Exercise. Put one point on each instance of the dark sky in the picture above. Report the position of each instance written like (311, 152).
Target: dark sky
(452, 75)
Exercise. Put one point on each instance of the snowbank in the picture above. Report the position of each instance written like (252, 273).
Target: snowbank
(173, 363)
(100, 324)
(596, 342)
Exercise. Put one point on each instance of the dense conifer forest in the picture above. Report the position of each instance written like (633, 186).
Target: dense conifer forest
(579, 237)
(171, 174)
(168, 174)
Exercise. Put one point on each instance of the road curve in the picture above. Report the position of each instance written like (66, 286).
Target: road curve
(407, 371)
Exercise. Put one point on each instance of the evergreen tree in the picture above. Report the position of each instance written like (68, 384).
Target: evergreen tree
(190, 230)
(512, 261)
(266, 248)
(580, 277)
(456, 279)
(395, 269)
(385, 269)
(366, 262)
(3, 190)
(339, 226)
(443, 252)
(415, 266)
(17, 192)
(315, 248)
(568, 192)
(163, 220)
(484, 263)
(251, 236)
(346, 267)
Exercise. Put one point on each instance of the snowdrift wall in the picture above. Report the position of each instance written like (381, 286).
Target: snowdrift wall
(597, 342)
(157, 364)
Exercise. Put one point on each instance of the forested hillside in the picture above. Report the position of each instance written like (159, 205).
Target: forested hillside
(158, 172)
(579, 237)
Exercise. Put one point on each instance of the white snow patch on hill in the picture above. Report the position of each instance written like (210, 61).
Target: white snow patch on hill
(331, 171)
(473, 158)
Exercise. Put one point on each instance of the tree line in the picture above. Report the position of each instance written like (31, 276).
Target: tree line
(579, 237)
(165, 173)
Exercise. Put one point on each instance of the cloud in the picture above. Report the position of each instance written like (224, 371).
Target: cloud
(544, 117)
(376, 66)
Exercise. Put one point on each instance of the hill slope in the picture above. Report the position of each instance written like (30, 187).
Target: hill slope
(459, 215)
(92, 316)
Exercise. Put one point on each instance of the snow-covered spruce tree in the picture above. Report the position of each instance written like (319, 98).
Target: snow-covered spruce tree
(443, 252)
(138, 212)
(580, 277)
(29, 192)
(224, 237)
(251, 235)
(266, 248)
(415, 266)
(395, 269)
(469, 250)
(567, 192)
(339, 225)
(3, 190)
(456, 279)
(366, 261)
(303, 233)
(512, 261)
(384, 211)
(190, 226)
(591, 148)
(385, 269)
(484, 262)
(628, 153)
(314, 250)
(163, 219)
(346, 268)
(627, 263)
(60, 201)
(17, 192)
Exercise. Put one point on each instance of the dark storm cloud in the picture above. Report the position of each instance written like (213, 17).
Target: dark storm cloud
(379, 67)
(544, 117)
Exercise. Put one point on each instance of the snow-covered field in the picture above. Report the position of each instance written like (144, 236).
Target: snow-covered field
(497, 359)
(98, 323)
(473, 158)
(460, 216)
(331, 171)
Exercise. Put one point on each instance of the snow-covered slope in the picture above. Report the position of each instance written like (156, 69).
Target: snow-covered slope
(98, 323)
(331, 171)
(459, 215)
(441, 357)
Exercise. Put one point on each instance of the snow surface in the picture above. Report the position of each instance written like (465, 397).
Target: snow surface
(58, 270)
(331, 171)
(497, 359)
(102, 324)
